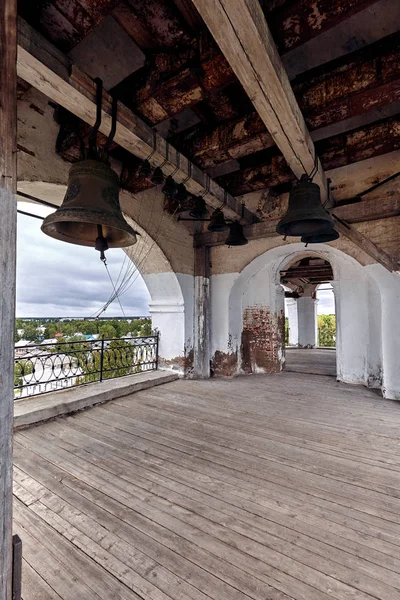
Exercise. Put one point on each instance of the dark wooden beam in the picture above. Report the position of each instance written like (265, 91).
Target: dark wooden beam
(65, 23)
(8, 225)
(342, 89)
(192, 77)
(294, 23)
(338, 151)
(366, 244)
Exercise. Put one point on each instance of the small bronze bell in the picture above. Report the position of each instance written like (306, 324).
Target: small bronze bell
(157, 178)
(92, 200)
(169, 188)
(320, 238)
(181, 194)
(217, 222)
(145, 170)
(305, 215)
(236, 236)
(199, 210)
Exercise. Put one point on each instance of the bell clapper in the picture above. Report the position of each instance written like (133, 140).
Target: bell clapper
(101, 244)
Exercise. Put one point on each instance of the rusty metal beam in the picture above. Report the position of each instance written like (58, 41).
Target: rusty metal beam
(342, 89)
(75, 91)
(337, 151)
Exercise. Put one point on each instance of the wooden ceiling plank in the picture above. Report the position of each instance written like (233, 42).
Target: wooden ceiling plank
(240, 29)
(76, 93)
(340, 150)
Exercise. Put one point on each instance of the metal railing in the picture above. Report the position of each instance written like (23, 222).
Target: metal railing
(42, 368)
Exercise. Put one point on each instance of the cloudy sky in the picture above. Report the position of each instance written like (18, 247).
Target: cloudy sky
(55, 279)
(326, 303)
(58, 279)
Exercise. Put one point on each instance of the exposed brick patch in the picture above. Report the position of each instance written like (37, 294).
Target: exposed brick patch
(183, 364)
(224, 363)
(262, 340)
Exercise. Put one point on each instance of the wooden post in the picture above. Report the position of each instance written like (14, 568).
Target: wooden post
(202, 312)
(8, 223)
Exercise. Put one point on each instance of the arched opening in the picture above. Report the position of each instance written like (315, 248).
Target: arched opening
(249, 337)
(310, 320)
(167, 295)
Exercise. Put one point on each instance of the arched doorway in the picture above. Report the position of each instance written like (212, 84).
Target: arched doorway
(310, 322)
(249, 337)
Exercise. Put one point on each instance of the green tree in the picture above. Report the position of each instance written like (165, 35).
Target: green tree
(108, 331)
(327, 330)
(22, 368)
(30, 331)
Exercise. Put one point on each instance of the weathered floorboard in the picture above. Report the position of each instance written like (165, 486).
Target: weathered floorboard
(278, 487)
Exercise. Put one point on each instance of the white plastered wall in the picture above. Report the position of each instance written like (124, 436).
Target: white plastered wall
(366, 297)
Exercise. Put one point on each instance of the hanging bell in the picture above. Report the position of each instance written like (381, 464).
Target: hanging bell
(91, 201)
(169, 188)
(157, 178)
(199, 210)
(217, 222)
(305, 215)
(321, 238)
(181, 194)
(236, 236)
(145, 170)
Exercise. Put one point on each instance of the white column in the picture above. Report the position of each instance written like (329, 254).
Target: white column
(291, 313)
(389, 286)
(169, 320)
(307, 321)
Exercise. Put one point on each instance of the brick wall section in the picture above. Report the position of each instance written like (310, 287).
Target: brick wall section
(262, 340)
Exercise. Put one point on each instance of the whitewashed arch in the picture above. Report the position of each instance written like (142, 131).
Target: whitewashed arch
(366, 298)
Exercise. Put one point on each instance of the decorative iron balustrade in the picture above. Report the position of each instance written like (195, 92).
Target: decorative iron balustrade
(43, 368)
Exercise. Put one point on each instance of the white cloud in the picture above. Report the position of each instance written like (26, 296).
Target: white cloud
(59, 279)
(326, 302)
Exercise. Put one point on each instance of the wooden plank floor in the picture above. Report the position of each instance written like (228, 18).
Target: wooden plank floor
(316, 361)
(265, 487)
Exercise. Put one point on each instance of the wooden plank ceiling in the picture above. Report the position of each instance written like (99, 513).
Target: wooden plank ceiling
(187, 90)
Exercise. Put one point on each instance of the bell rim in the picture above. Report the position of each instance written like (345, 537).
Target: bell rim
(326, 225)
(71, 216)
(307, 239)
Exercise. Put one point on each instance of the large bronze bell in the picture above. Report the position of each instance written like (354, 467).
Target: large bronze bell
(91, 206)
(320, 238)
(236, 236)
(305, 215)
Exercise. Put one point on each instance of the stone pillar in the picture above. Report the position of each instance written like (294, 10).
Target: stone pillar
(201, 335)
(292, 315)
(307, 321)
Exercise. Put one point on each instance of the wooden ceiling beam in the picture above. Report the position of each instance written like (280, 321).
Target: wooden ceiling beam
(353, 85)
(240, 30)
(338, 151)
(45, 68)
